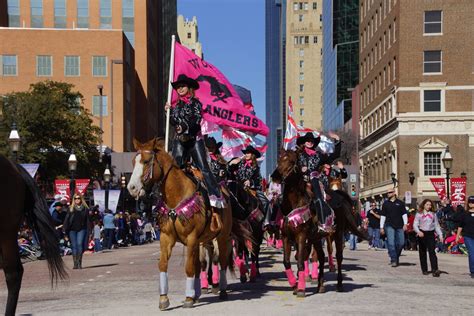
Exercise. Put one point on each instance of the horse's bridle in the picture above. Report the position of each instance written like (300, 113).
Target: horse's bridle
(148, 169)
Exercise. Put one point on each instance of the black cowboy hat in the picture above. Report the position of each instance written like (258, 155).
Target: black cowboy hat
(308, 137)
(212, 143)
(251, 150)
(185, 80)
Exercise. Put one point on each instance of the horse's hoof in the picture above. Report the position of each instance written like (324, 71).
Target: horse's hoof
(188, 302)
(164, 303)
(300, 294)
(223, 295)
(295, 290)
(321, 289)
(307, 279)
(215, 289)
(332, 269)
(339, 288)
(243, 279)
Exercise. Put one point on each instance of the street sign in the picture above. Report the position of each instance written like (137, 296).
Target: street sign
(353, 178)
(407, 197)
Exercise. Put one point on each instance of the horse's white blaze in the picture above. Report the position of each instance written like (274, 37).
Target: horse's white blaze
(135, 185)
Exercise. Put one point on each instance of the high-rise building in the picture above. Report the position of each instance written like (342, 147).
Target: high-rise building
(122, 46)
(303, 61)
(340, 60)
(189, 35)
(275, 104)
(416, 95)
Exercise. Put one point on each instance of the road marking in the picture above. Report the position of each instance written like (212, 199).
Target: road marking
(131, 262)
(100, 276)
(90, 280)
(81, 283)
(108, 272)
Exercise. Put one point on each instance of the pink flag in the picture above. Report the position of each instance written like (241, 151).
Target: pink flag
(458, 191)
(439, 186)
(221, 103)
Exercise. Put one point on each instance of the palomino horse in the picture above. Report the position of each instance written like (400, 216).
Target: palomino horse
(295, 200)
(184, 216)
(22, 199)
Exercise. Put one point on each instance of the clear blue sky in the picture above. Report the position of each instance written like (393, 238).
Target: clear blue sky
(232, 33)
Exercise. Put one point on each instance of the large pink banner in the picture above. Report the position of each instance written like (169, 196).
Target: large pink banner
(458, 191)
(221, 103)
(440, 187)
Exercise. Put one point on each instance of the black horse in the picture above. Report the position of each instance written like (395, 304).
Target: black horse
(21, 199)
(218, 90)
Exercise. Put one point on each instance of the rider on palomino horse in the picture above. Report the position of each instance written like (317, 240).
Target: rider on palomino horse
(248, 173)
(310, 160)
(186, 117)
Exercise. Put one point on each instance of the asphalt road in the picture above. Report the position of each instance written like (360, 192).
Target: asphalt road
(125, 282)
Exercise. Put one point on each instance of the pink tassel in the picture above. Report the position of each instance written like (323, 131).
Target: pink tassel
(279, 244)
(306, 269)
(301, 281)
(269, 242)
(291, 277)
(204, 283)
(315, 270)
(253, 270)
(215, 274)
(331, 261)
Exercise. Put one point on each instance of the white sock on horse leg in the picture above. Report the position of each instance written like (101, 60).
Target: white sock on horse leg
(197, 287)
(163, 283)
(222, 280)
(190, 287)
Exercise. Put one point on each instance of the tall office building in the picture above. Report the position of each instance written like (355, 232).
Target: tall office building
(303, 61)
(416, 95)
(275, 104)
(340, 60)
(122, 46)
(189, 35)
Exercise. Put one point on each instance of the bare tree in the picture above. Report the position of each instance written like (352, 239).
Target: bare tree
(349, 146)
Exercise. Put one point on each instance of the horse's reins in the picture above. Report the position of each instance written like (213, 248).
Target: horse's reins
(149, 174)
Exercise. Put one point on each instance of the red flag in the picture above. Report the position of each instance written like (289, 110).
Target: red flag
(221, 103)
(439, 186)
(458, 191)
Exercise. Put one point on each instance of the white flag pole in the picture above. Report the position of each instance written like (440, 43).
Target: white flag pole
(170, 91)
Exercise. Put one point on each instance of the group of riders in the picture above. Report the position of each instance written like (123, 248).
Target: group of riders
(190, 145)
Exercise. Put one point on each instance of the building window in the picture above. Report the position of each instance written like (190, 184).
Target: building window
(432, 100)
(301, 112)
(300, 17)
(306, 39)
(433, 23)
(99, 66)
(96, 105)
(306, 6)
(8, 64)
(105, 14)
(301, 63)
(315, 5)
(72, 66)
(295, 6)
(301, 6)
(301, 122)
(432, 61)
(432, 164)
(60, 14)
(189, 34)
(315, 39)
(301, 52)
(36, 7)
(83, 14)
(301, 87)
(320, 18)
(301, 100)
(44, 66)
(128, 20)
(14, 13)
(301, 76)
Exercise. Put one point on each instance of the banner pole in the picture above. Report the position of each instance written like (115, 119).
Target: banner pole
(170, 91)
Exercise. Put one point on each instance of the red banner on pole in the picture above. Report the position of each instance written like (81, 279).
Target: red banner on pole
(439, 186)
(61, 186)
(458, 191)
(81, 185)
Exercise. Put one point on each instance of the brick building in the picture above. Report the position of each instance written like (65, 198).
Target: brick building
(416, 94)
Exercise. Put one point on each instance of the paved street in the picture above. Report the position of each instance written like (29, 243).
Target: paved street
(125, 282)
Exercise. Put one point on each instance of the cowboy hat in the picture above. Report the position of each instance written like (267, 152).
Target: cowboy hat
(185, 80)
(212, 143)
(251, 150)
(308, 137)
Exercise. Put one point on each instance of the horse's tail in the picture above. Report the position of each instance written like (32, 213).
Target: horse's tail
(345, 212)
(242, 233)
(40, 220)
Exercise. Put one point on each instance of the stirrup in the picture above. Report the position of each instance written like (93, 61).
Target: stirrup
(216, 222)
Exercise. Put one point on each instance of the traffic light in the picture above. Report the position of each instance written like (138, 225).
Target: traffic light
(353, 190)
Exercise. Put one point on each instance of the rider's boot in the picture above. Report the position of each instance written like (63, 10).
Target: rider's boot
(218, 205)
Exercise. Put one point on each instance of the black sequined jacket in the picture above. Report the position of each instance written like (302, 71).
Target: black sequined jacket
(314, 162)
(251, 173)
(188, 116)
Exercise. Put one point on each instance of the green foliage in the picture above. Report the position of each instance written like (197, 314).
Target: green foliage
(52, 122)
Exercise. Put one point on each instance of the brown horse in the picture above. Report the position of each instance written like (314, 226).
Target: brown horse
(296, 196)
(184, 216)
(21, 199)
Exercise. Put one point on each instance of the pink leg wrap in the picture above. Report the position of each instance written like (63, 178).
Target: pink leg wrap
(215, 274)
(301, 281)
(291, 277)
(253, 270)
(279, 244)
(331, 261)
(204, 283)
(315, 270)
(239, 263)
(306, 268)
(269, 242)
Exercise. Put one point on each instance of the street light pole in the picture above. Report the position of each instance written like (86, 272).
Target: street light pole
(448, 164)
(101, 111)
(72, 162)
(123, 182)
(14, 142)
(112, 62)
(107, 183)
